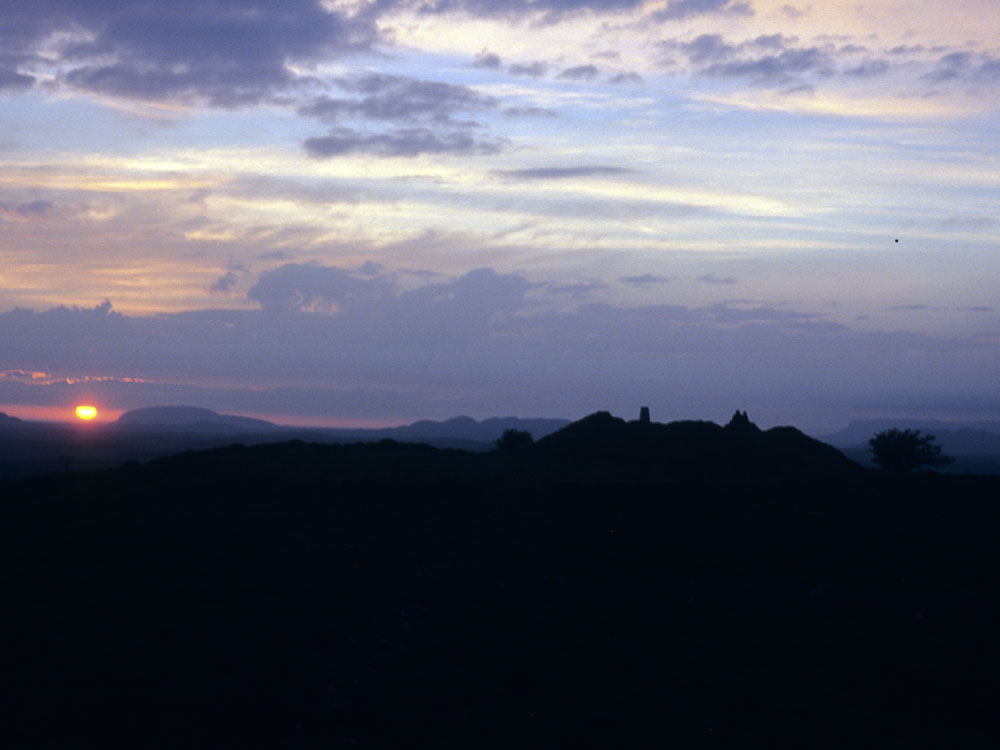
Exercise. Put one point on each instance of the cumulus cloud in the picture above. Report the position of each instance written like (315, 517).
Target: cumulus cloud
(580, 73)
(677, 10)
(487, 61)
(705, 48)
(773, 68)
(428, 108)
(868, 69)
(625, 77)
(296, 288)
(990, 69)
(950, 66)
(533, 69)
(226, 284)
(392, 97)
(225, 53)
(780, 61)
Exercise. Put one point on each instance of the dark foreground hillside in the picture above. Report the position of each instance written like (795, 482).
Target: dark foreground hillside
(573, 594)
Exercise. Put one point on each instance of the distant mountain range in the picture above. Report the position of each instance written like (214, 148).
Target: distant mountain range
(190, 418)
(458, 429)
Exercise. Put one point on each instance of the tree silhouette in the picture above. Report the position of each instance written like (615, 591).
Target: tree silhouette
(902, 451)
(514, 441)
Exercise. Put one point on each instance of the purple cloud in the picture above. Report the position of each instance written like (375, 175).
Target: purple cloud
(533, 70)
(580, 73)
(678, 10)
(225, 53)
(401, 142)
(561, 173)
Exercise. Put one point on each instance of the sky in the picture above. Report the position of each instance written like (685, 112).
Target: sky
(366, 213)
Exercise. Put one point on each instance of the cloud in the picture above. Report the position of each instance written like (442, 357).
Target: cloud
(793, 12)
(989, 69)
(773, 60)
(580, 289)
(296, 288)
(677, 10)
(868, 69)
(533, 69)
(626, 77)
(777, 68)
(950, 66)
(487, 61)
(530, 112)
(550, 9)
(337, 342)
(12, 80)
(561, 173)
(31, 210)
(392, 97)
(429, 109)
(709, 278)
(226, 284)
(224, 53)
(967, 223)
(646, 279)
(400, 142)
(580, 73)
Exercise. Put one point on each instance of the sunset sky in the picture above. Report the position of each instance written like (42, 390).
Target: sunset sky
(352, 212)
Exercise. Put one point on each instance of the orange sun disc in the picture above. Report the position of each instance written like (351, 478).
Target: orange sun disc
(86, 412)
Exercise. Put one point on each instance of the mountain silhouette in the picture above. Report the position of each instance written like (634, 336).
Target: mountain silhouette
(191, 418)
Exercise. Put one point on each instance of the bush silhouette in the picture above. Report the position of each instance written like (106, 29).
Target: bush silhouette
(902, 451)
(514, 441)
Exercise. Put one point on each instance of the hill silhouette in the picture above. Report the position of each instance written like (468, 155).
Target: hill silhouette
(695, 448)
(608, 587)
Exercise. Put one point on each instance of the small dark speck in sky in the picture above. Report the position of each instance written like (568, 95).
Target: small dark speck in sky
(897, 239)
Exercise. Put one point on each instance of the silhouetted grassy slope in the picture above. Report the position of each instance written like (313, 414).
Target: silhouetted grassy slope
(391, 595)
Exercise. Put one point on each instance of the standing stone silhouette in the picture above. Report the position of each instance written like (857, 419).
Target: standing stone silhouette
(644, 414)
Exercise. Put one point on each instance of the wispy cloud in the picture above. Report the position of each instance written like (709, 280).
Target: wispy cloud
(562, 173)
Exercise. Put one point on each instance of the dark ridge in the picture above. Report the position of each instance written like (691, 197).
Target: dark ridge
(698, 447)
(617, 584)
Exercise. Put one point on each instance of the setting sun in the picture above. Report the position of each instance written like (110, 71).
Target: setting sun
(86, 412)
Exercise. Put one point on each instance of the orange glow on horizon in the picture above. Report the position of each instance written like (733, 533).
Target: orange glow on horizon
(86, 412)
(65, 413)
